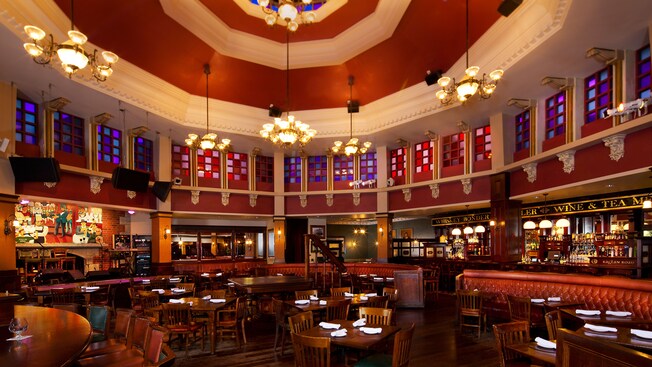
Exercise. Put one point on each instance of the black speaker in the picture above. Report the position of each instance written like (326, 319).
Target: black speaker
(353, 106)
(128, 179)
(76, 274)
(508, 6)
(274, 111)
(161, 189)
(29, 169)
(98, 275)
(432, 77)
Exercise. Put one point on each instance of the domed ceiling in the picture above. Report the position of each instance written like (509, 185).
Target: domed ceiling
(386, 44)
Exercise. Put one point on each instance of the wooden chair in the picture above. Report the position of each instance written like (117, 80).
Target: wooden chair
(520, 309)
(160, 283)
(337, 310)
(378, 301)
(233, 321)
(340, 291)
(431, 282)
(178, 320)
(149, 300)
(375, 315)
(470, 307)
(301, 322)
(574, 349)
(100, 318)
(391, 292)
(63, 295)
(214, 293)
(118, 342)
(281, 321)
(305, 294)
(400, 356)
(553, 322)
(311, 351)
(516, 332)
(190, 287)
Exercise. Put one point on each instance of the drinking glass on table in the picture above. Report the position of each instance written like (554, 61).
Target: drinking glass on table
(18, 325)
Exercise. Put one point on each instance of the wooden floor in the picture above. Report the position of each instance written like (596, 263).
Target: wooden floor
(437, 342)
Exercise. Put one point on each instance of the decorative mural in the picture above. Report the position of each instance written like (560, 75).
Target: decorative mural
(51, 223)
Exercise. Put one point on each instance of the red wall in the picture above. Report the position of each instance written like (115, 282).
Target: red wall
(211, 202)
(449, 193)
(342, 203)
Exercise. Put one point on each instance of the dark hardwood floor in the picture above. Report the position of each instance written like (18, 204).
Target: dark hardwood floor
(437, 342)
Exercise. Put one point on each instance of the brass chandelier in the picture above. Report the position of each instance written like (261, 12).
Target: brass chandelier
(291, 12)
(209, 140)
(286, 132)
(352, 147)
(469, 85)
(71, 52)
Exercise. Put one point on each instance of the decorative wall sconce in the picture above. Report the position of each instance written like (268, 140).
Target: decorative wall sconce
(381, 231)
(278, 234)
(10, 224)
(166, 232)
(492, 223)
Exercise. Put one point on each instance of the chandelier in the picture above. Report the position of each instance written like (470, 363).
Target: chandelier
(291, 12)
(470, 84)
(286, 132)
(209, 140)
(71, 53)
(352, 147)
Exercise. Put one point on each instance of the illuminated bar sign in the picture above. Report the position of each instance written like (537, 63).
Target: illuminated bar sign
(624, 202)
(444, 221)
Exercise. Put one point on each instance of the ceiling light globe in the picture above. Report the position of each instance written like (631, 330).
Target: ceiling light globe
(545, 224)
(468, 230)
(467, 89)
(293, 26)
(263, 3)
(104, 71)
(350, 149)
(443, 81)
(34, 32)
(338, 143)
(307, 1)
(287, 12)
(72, 55)
(189, 142)
(207, 144)
(264, 134)
(456, 232)
(647, 204)
(367, 144)
(309, 17)
(270, 19)
(110, 57)
(226, 141)
(472, 71)
(268, 127)
(496, 74)
(529, 225)
(77, 37)
(479, 229)
(441, 94)
(563, 223)
(33, 50)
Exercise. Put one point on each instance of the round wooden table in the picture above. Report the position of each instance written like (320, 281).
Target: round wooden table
(58, 337)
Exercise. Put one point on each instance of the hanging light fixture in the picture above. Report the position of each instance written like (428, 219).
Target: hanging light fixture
(467, 229)
(647, 203)
(456, 231)
(290, 12)
(285, 133)
(562, 223)
(479, 228)
(529, 225)
(71, 52)
(352, 147)
(209, 140)
(545, 223)
(469, 85)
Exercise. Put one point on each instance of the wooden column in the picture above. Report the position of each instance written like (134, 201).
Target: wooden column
(384, 228)
(507, 233)
(9, 279)
(279, 239)
(161, 243)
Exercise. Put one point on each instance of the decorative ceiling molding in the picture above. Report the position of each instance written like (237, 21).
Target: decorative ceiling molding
(207, 26)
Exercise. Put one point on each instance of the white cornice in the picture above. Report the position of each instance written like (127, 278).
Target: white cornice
(377, 27)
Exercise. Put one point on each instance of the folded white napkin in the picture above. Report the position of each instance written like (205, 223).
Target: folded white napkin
(174, 279)
(360, 322)
(363, 275)
(158, 290)
(377, 279)
(600, 329)
(618, 313)
(217, 300)
(348, 294)
(92, 288)
(373, 275)
(279, 274)
(371, 330)
(545, 343)
(363, 298)
(230, 284)
(537, 300)
(218, 274)
(554, 299)
(390, 279)
(314, 298)
(588, 312)
(19, 337)
(302, 301)
(176, 300)
(206, 297)
(328, 325)
(338, 333)
(178, 290)
(205, 274)
(371, 294)
(146, 280)
(323, 303)
(642, 333)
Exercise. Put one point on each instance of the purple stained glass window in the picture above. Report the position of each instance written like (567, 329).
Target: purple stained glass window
(555, 115)
(69, 133)
(643, 72)
(292, 169)
(597, 94)
(26, 122)
(143, 154)
(110, 148)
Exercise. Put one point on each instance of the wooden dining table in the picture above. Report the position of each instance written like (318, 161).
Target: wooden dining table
(271, 284)
(354, 338)
(622, 336)
(200, 306)
(356, 301)
(58, 337)
(535, 353)
(608, 320)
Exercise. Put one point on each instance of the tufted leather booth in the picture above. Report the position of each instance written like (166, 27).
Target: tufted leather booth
(602, 293)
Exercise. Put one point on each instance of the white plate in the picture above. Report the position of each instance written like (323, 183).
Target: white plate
(642, 333)
(537, 300)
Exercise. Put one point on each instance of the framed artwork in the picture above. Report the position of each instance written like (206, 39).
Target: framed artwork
(406, 252)
(319, 231)
(422, 252)
(406, 233)
(415, 252)
(430, 252)
(439, 251)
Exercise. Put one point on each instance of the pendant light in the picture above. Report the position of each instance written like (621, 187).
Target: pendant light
(529, 225)
(545, 223)
(563, 223)
(456, 231)
(468, 229)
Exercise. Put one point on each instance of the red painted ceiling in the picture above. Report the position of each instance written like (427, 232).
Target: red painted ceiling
(430, 35)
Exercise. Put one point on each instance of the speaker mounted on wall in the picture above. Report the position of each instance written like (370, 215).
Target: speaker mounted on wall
(128, 179)
(508, 6)
(161, 189)
(35, 169)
